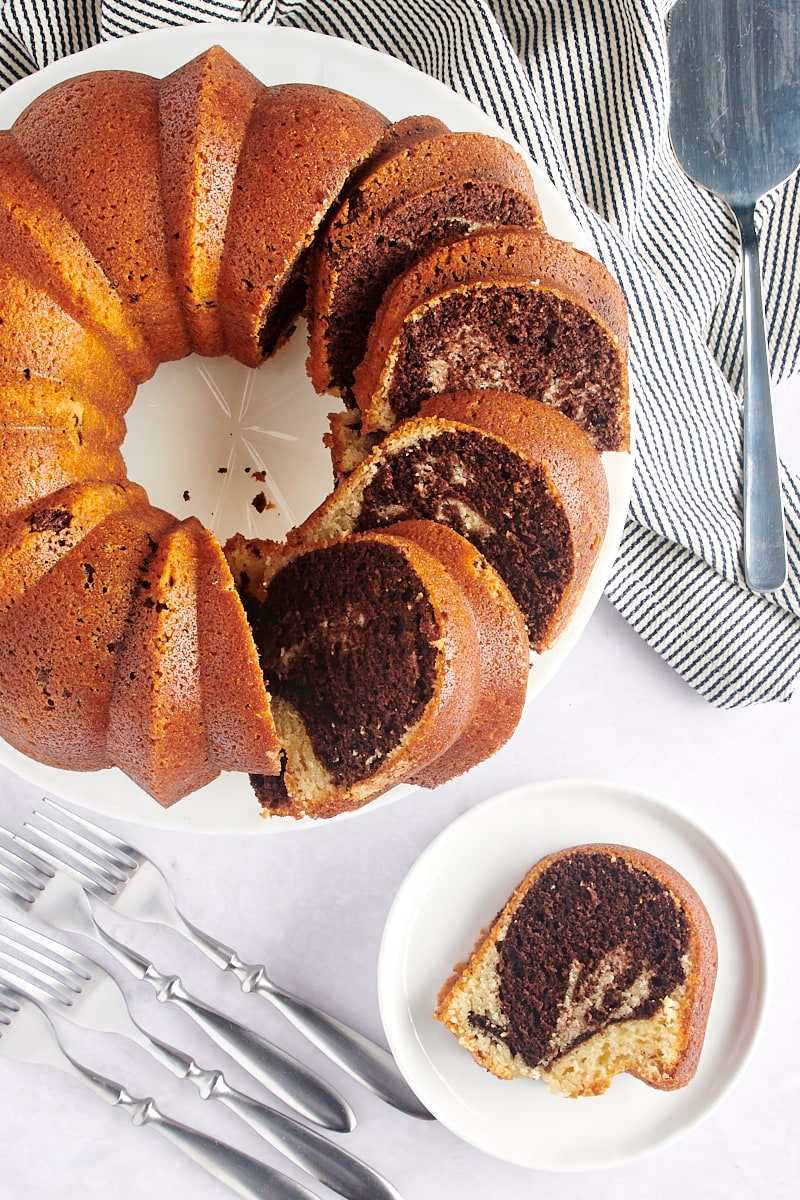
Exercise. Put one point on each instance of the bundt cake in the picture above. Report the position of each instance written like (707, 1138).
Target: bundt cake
(603, 961)
(507, 309)
(412, 201)
(517, 478)
(146, 219)
(372, 654)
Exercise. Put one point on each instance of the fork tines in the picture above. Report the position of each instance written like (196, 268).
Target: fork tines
(20, 878)
(115, 853)
(68, 851)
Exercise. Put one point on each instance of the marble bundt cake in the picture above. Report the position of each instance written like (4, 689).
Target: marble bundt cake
(603, 961)
(507, 309)
(147, 219)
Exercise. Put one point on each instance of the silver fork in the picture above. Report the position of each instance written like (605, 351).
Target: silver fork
(135, 886)
(61, 977)
(63, 901)
(28, 1034)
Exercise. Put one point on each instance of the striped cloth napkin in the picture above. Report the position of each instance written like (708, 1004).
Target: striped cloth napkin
(583, 85)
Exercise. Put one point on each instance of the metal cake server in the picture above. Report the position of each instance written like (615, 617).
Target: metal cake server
(735, 128)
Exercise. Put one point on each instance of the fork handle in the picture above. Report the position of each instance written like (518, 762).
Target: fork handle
(246, 1176)
(328, 1162)
(363, 1059)
(297, 1086)
(765, 564)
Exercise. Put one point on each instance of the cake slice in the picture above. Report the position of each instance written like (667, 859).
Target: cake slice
(504, 659)
(371, 655)
(516, 478)
(240, 729)
(509, 310)
(424, 194)
(603, 961)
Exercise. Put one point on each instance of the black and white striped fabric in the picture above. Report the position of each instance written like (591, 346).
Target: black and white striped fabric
(583, 85)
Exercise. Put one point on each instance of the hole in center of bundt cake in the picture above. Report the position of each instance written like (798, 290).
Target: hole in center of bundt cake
(496, 500)
(596, 941)
(238, 448)
(346, 637)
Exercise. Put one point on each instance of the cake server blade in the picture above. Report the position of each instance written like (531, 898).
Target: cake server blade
(735, 128)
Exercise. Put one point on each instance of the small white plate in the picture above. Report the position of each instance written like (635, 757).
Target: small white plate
(203, 432)
(455, 890)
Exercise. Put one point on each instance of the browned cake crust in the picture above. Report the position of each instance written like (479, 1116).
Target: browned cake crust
(298, 133)
(51, 439)
(510, 310)
(204, 109)
(602, 961)
(94, 141)
(168, 749)
(43, 246)
(61, 639)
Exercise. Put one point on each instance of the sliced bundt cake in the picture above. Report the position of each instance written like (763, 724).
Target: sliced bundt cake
(510, 310)
(147, 218)
(603, 961)
(412, 201)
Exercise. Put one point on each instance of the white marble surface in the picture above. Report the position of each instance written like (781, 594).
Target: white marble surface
(312, 904)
